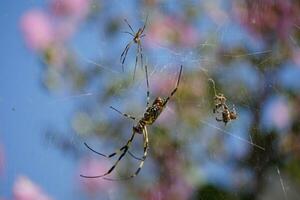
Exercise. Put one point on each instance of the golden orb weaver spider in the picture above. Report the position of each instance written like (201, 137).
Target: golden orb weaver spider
(151, 114)
(220, 103)
(137, 36)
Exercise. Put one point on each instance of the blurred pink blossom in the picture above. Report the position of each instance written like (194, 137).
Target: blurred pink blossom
(163, 82)
(171, 31)
(296, 56)
(216, 13)
(268, 17)
(174, 184)
(176, 189)
(64, 29)
(94, 167)
(279, 114)
(25, 189)
(168, 117)
(74, 8)
(41, 33)
(37, 29)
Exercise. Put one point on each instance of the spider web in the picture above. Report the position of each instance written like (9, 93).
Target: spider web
(163, 61)
(190, 58)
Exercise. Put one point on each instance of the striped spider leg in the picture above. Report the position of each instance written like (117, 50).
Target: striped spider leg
(151, 114)
(137, 36)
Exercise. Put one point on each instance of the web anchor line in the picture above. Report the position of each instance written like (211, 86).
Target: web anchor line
(234, 136)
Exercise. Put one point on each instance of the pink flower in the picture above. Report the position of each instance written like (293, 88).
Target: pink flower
(171, 31)
(163, 82)
(24, 189)
(268, 17)
(74, 8)
(279, 114)
(168, 117)
(215, 11)
(174, 184)
(94, 167)
(178, 189)
(65, 29)
(296, 57)
(37, 29)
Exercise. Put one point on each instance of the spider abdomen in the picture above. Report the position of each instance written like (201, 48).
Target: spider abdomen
(152, 114)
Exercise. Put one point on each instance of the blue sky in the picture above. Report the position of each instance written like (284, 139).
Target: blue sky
(25, 113)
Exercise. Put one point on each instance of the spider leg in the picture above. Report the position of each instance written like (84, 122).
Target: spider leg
(175, 89)
(145, 24)
(124, 57)
(125, 148)
(141, 54)
(146, 147)
(124, 114)
(226, 121)
(148, 91)
(124, 54)
(125, 49)
(219, 120)
(135, 157)
(217, 107)
(129, 25)
(136, 59)
(112, 154)
(225, 106)
(128, 33)
(215, 110)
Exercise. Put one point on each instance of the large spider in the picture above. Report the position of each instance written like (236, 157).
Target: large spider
(220, 104)
(151, 114)
(137, 36)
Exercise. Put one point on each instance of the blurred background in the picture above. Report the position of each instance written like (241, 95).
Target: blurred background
(60, 71)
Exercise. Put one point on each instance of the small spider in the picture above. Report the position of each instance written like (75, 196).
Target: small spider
(137, 36)
(227, 115)
(151, 114)
(220, 104)
(220, 100)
